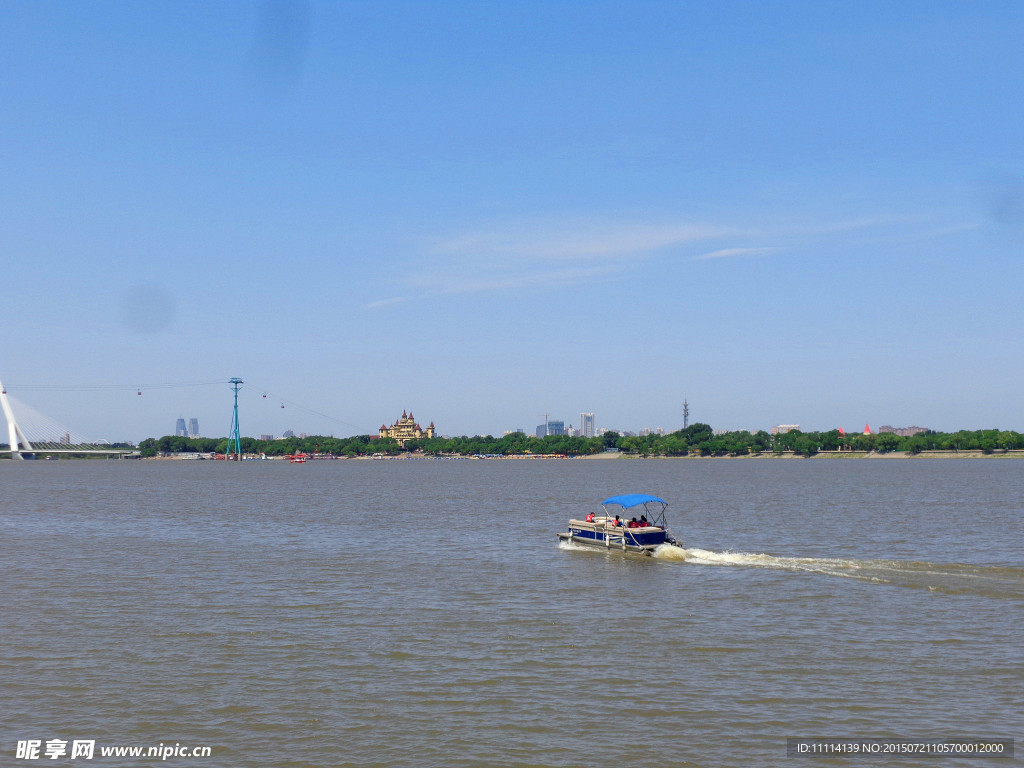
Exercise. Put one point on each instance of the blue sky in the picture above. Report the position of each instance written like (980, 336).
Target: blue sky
(784, 212)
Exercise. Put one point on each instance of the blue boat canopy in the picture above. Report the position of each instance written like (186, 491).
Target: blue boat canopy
(628, 500)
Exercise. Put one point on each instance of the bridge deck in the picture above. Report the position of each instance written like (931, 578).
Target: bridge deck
(66, 450)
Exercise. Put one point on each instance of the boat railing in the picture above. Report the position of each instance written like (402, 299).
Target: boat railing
(633, 534)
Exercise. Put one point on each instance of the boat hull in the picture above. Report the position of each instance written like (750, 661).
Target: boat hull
(644, 540)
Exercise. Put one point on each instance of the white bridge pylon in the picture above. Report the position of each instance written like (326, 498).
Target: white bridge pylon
(16, 439)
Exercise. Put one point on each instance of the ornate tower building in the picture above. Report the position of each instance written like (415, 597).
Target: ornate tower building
(405, 429)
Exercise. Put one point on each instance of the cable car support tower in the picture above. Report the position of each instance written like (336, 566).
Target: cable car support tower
(234, 441)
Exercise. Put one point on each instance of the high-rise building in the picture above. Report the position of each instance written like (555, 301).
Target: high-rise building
(179, 428)
(193, 427)
(587, 425)
(551, 428)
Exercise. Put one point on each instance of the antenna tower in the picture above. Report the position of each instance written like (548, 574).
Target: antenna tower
(686, 414)
(234, 441)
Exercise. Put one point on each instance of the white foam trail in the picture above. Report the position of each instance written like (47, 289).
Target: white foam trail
(573, 547)
(817, 564)
(670, 552)
(664, 551)
(952, 578)
(955, 578)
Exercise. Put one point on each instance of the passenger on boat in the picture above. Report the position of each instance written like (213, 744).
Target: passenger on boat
(633, 523)
(590, 517)
(643, 521)
(616, 523)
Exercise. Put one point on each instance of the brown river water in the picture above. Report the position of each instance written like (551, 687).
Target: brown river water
(423, 613)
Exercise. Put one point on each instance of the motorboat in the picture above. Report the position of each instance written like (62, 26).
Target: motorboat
(632, 522)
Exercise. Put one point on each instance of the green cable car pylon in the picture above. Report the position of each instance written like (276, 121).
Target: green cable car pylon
(234, 441)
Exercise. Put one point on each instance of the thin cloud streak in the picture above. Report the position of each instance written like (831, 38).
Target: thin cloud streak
(618, 242)
(456, 284)
(726, 253)
(385, 302)
(535, 253)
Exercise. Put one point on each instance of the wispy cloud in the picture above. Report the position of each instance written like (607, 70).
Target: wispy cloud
(540, 254)
(727, 253)
(568, 253)
(385, 302)
(576, 240)
(475, 283)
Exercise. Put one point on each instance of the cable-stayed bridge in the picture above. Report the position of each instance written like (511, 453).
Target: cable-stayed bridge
(32, 433)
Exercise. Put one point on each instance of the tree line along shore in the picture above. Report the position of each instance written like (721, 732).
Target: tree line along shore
(695, 440)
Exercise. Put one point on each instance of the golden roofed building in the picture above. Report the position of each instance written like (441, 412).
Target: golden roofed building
(406, 429)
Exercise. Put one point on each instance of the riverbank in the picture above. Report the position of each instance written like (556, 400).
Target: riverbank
(609, 455)
(1015, 454)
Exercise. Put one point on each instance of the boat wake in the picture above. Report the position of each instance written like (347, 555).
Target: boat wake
(950, 578)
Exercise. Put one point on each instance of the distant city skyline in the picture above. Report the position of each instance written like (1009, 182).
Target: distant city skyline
(554, 426)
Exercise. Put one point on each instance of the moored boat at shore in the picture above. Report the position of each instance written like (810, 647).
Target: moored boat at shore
(611, 531)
